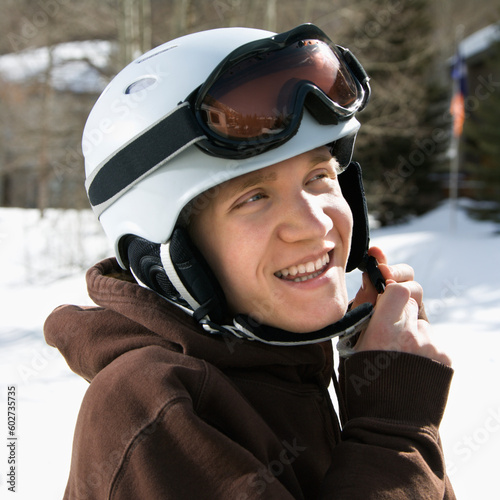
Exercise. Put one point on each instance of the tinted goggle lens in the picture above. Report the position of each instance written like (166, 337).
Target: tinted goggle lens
(258, 95)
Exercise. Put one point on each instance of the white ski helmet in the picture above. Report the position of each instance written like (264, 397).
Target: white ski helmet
(148, 152)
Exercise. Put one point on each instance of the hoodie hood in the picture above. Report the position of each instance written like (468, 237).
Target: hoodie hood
(128, 316)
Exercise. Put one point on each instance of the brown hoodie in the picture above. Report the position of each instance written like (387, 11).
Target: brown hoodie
(174, 413)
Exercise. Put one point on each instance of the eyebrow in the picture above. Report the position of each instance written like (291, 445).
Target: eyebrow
(251, 179)
(247, 181)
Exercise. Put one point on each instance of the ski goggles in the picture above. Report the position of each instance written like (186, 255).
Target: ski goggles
(254, 99)
(252, 102)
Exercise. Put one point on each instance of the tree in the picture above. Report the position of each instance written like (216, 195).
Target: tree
(398, 142)
(481, 139)
(134, 32)
(403, 134)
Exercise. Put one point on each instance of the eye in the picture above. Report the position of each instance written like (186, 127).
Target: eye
(249, 199)
(316, 177)
(322, 175)
(255, 197)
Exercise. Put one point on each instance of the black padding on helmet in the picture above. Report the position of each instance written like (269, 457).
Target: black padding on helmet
(342, 149)
(145, 262)
(351, 183)
(196, 275)
(144, 259)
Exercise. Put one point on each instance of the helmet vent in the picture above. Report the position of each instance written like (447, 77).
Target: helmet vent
(142, 84)
(150, 56)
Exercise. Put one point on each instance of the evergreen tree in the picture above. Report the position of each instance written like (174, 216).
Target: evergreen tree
(482, 140)
(402, 135)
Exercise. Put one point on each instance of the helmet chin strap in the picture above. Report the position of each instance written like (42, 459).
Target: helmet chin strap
(178, 272)
(346, 329)
(183, 274)
(246, 328)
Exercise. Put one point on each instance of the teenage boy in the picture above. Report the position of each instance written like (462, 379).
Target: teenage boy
(220, 166)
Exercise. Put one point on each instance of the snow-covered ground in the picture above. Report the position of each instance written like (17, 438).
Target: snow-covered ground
(73, 66)
(42, 262)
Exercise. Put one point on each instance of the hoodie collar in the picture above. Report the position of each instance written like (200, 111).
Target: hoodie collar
(129, 316)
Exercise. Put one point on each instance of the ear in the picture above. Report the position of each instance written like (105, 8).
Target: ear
(351, 183)
(192, 277)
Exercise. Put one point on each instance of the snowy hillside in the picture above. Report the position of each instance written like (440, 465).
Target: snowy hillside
(43, 262)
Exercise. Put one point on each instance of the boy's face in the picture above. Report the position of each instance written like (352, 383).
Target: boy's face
(278, 241)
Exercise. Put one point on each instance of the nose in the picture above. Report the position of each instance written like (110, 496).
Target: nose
(304, 218)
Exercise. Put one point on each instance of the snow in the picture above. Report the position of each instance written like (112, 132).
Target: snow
(43, 262)
(75, 65)
(481, 40)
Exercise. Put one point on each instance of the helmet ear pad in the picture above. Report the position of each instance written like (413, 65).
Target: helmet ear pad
(351, 183)
(193, 277)
(144, 261)
(178, 271)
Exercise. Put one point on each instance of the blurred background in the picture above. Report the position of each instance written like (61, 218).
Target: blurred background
(56, 56)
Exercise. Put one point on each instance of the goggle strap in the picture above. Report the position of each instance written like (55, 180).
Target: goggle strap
(141, 156)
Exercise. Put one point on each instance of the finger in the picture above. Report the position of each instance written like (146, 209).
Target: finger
(397, 325)
(415, 289)
(422, 314)
(398, 272)
(391, 304)
(428, 346)
(366, 293)
(378, 254)
(386, 271)
(389, 320)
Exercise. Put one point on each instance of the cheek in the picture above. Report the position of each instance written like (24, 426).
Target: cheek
(204, 235)
(348, 233)
(342, 218)
(218, 246)
(349, 221)
(233, 271)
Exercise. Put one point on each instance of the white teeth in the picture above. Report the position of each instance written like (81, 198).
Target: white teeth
(309, 267)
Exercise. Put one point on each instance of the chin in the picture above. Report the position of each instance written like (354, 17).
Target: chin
(313, 323)
(299, 315)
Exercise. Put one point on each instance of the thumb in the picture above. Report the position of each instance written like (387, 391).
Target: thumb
(366, 293)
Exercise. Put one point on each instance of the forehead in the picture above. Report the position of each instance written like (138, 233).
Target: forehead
(270, 173)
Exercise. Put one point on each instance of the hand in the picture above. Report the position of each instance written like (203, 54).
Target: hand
(399, 322)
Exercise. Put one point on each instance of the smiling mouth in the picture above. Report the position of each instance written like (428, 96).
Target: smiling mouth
(304, 272)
